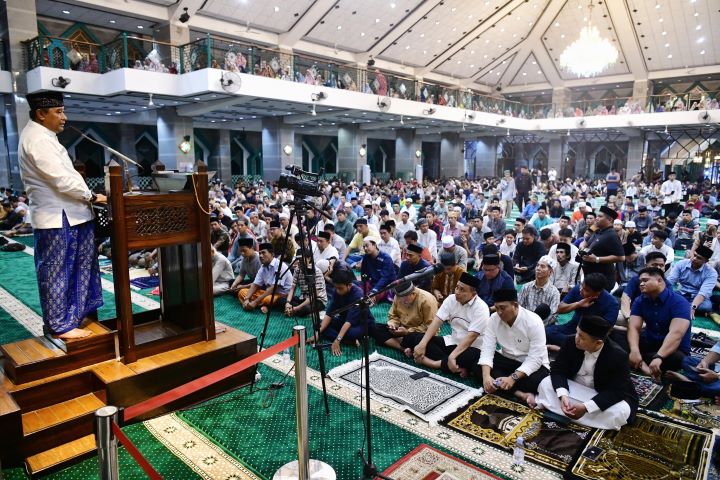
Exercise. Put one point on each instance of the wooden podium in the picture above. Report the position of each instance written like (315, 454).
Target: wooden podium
(178, 226)
(49, 389)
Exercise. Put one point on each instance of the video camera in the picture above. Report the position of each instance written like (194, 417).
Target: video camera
(301, 182)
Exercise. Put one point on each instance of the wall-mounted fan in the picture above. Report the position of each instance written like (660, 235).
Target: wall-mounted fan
(230, 81)
(384, 103)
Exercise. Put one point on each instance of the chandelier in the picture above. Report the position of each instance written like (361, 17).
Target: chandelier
(590, 54)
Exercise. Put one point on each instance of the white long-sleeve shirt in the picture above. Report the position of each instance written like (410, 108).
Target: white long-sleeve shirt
(429, 241)
(463, 318)
(667, 188)
(52, 183)
(523, 342)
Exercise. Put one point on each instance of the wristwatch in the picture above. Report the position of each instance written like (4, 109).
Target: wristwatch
(515, 376)
(694, 307)
(657, 356)
(338, 339)
(597, 259)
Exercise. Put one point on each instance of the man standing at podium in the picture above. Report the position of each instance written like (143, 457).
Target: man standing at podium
(65, 255)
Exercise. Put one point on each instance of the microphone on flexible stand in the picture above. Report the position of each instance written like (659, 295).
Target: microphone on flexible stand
(122, 157)
(425, 272)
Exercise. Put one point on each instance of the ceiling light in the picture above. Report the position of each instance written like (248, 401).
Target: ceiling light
(701, 40)
(667, 45)
(112, 21)
(377, 20)
(197, 99)
(150, 101)
(277, 9)
(108, 114)
(669, 55)
(407, 47)
(698, 27)
(702, 52)
(663, 33)
(557, 24)
(66, 12)
(339, 27)
(422, 35)
(661, 20)
(362, 34)
(140, 27)
(590, 54)
(657, 5)
(392, 5)
(539, 72)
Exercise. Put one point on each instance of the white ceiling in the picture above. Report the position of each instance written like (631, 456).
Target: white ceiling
(449, 41)
(530, 73)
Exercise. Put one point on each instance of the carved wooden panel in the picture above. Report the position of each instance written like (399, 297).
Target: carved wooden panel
(161, 220)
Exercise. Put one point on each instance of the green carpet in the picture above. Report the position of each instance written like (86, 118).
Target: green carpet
(272, 441)
(10, 329)
(17, 276)
(168, 465)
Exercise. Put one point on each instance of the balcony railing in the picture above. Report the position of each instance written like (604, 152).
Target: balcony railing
(211, 52)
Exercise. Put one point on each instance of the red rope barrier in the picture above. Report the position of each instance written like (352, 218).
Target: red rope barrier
(135, 453)
(206, 380)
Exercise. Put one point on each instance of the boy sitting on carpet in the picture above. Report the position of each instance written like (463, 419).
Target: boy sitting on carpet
(590, 379)
(349, 325)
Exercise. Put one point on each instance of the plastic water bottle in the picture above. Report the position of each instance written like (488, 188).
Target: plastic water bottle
(286, 357)
(519, 451)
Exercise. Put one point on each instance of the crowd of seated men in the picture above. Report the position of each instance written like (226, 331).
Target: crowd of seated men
(555, 311)
(574, 279)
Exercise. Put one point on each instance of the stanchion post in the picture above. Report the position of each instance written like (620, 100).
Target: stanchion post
(107, 443)
(303, 468)
(301, 402)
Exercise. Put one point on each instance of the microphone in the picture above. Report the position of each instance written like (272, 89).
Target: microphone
(425, 272)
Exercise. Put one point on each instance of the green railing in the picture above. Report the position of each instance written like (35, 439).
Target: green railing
(212, 52)
(123, 52)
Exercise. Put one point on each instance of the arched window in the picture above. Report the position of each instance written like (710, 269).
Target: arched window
(604, 160)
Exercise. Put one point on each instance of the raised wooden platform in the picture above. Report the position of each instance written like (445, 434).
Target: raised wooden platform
(48, 422)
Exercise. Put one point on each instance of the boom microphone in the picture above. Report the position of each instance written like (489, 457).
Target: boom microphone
(425, 272)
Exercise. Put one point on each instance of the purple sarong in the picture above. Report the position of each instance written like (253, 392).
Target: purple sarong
(68, 275)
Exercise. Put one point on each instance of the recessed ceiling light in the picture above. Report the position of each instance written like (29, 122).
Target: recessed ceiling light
(112, 21)
(132, 109)
(118, 113)
(702, 52)
(392, 5)
(362, 34)
(437, 22)
(669, 55)
(197, 99)
(66, 12)
(557, 24)
(667, 45)
(108, 114)
(698, 27)
(339, 27)
(407, 47)
(664, 33)
(657, 5)
(524, 74)
(539, 72)
(277, 9)
(140, 27)
(661, 20)
(377, 20)
(701, 40)
(289, 113)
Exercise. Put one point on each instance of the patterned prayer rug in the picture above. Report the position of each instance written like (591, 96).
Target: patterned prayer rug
(652, 448)
(646, 389)
(205, 458)
(431, 398)
(500, 421)
(705, 414)
(427, 463)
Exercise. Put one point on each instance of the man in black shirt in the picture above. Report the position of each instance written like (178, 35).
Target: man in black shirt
(604, 249)
(527, 254)
(523, 185)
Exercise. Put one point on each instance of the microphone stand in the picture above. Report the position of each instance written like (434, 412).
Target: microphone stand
(370, 470)
(122, 157)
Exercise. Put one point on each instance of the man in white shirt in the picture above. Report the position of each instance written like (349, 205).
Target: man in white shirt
(68, 273)
(522, 361)
(590, 379)
(671, 190)
(404, 226)
(468, 316)
(410, 208)
(222, 272)
(261, 291)
(565, 274)
(427, 238)
(389, 245)
(325, 251)
(657, 244)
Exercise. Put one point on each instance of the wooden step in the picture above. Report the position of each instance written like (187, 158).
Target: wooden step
(49, 460)
(38, 357)
(58, 413)
(57, 424)
(73, 345)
